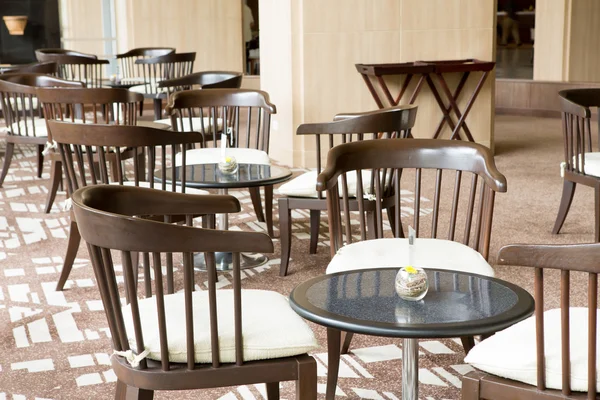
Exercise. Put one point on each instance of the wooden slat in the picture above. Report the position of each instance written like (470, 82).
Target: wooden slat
(565, 288)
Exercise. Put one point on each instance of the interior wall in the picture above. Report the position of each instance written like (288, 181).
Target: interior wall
(324, 41)
(584, 42)
(551, 32)
(211, 28)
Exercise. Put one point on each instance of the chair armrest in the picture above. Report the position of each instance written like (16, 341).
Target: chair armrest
(576, 257)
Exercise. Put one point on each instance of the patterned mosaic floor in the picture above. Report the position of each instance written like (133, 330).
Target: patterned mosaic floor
(55, 345)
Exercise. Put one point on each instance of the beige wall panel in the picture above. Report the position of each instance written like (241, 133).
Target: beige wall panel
(211, 28)
(81, 26)
(329, 37)
(430, 14)
(550, 34)
(584, 42)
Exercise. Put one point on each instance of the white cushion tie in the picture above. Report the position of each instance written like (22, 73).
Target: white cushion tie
(133, 359)
(48, 147)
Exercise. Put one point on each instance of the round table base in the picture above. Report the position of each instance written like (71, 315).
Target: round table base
(224, 261)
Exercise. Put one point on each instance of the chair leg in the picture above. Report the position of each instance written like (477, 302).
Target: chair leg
(272, 390)
(391, 212)
(470, 387)
(371, 225)
(306, 387)
(468, 342)
(40, 160)
(269, 209)
(285, 235)
(256, 203)
(121, 392)
(10, 148)
(157, 109)
(315, 219)
(141, 108)
(565, 204)
(333, 361)
(55, 180)
(346, 343)
(139, 394)
(72, 247)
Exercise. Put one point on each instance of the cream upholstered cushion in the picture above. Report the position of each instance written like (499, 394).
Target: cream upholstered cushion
(591, 167)
(151, 88)
(196, 125)
(158, 186)
(394, 253)
(39, 124)
(271, 329)
(213, 156)
(511, 353)
(305, 185)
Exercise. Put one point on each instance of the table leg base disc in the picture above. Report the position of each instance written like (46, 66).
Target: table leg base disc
(224, 261)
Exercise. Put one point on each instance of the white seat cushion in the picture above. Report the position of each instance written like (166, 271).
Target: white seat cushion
(196, 125)
(39, 124)
(591, 167)
(213, 156)
(394, 253)
(511, 353)
(158, 186)
(305, 185)
(271, 329)
(148, 89)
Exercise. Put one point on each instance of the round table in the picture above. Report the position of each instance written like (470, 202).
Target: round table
(208, 176)
(365, 301)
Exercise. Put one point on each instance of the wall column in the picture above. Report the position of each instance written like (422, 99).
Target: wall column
(309, 49)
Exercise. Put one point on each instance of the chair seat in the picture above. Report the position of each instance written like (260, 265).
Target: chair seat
(158, 186)
(591, 167)
(393, 253)
(27, 127)
(271, 329)
(151, 88)
(213, 156)
(305, 185)
(511, 353)
(196, 124)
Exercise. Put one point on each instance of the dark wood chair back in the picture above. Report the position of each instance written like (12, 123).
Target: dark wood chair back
(245, 115)
(87, 152)
(19, 102)
(127, 61)
(205, 80)
(389, 164)
(104, 217)
(391, 123)
(566, 259)
(76, 66)
(97, 106)
(577, 131)
(48, 68)
(183, 64)
(44, 55)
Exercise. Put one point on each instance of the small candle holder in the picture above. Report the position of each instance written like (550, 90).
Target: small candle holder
(411, 283)
(228, 166)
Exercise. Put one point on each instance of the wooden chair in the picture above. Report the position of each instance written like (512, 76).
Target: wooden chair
(300, 193)
(385, 171)
(174, 341)
(245, 113)
(132, 72)
(203, 80)
(25, 120)
(96, 154)
(581, 164)
(96, 106)
(200, 80)
(48, 68)
(75, 66)
(157, 69)
(563, 341)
